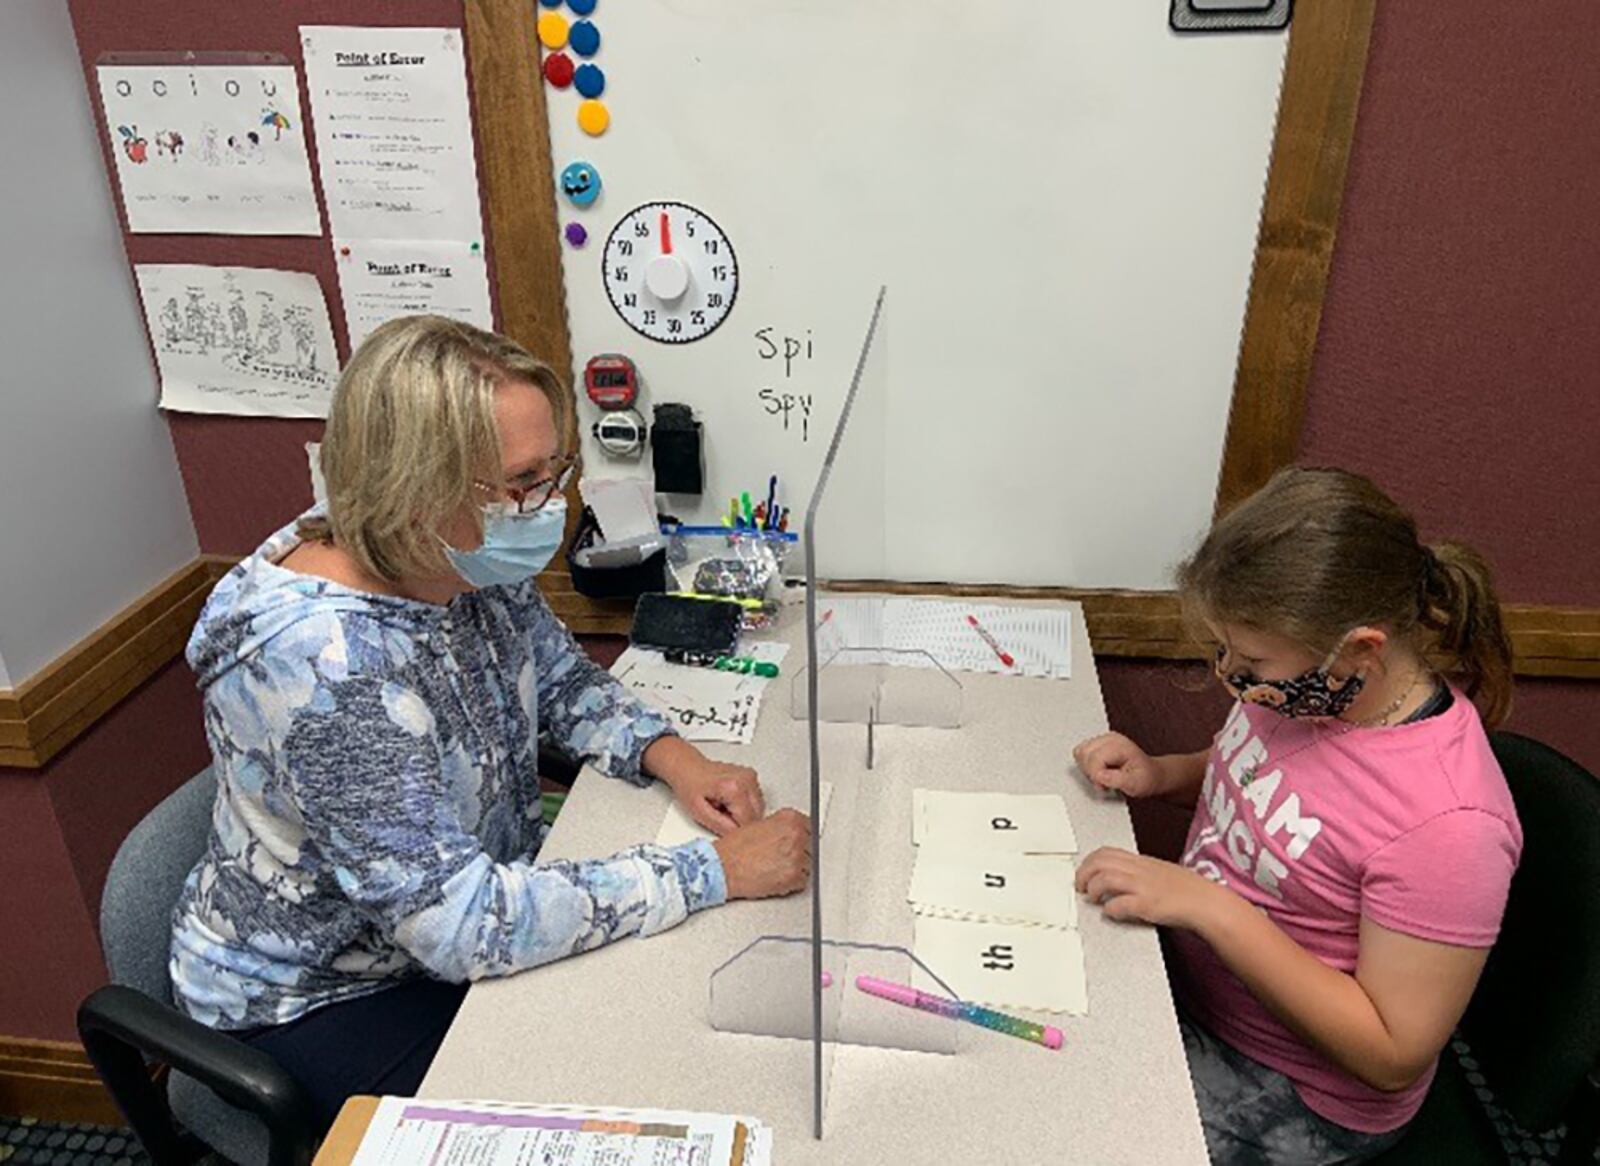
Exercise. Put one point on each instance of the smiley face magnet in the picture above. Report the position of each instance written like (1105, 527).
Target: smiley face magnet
(580, 182)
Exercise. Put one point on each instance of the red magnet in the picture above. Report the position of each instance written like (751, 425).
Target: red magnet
(558, 70)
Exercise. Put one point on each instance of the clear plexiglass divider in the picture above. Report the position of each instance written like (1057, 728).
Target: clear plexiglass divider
(809, 987)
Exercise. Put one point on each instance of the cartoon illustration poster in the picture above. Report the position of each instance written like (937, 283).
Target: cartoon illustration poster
(210, 149)
(243, 340)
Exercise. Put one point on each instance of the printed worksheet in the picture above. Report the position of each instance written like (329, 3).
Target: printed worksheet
(394, 133)
(381, 279)
(209, 149)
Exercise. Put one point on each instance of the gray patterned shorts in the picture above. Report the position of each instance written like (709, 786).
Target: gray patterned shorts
(1252, 1115)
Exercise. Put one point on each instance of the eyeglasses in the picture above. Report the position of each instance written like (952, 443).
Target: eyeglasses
(531, 492)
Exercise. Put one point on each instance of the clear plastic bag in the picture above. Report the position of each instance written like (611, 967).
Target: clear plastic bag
(739, 564)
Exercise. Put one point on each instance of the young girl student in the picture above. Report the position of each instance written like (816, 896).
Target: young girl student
(1353, 838)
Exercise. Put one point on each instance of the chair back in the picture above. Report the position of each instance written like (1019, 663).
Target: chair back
(1534, 1021)
(144, 882)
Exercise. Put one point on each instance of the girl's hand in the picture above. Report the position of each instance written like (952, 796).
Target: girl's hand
(1132, 887)
(1113, 761)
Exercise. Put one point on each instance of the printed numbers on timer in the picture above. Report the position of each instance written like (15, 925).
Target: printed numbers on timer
(670, 272)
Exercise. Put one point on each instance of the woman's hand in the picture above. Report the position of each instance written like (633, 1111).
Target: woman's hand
(1132, 887)
(1113, 761)
(716, 794)
(770, 857)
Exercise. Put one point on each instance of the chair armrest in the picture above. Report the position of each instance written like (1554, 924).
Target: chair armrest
(121, 1027)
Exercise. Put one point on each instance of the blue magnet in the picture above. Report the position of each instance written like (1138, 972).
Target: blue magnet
(590, 80)
(551, 3)
(581, 7)
(584, 38)
(580, 182)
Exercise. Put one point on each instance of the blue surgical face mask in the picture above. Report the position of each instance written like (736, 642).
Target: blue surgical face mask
(515, 546)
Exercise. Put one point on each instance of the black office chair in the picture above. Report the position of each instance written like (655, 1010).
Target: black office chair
(1533, 1026)
(225, 1095)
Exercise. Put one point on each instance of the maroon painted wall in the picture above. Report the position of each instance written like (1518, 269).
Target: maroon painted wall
(1458, 361)
(61, 827)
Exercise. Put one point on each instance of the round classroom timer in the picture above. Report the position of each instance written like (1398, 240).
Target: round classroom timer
(670, 272)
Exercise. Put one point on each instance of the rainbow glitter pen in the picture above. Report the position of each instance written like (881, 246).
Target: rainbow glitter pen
(1040, 1034)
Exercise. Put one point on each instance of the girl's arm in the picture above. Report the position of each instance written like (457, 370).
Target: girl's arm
(1384, 1024)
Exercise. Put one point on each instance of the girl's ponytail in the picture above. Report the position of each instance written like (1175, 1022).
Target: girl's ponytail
(1462, 613)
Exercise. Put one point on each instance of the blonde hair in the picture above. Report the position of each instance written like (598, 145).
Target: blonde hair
(411, 428)
(1316, 552)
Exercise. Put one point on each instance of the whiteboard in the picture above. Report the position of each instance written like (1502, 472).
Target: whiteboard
(1062, 197)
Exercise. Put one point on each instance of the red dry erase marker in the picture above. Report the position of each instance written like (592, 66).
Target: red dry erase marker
(1005, 656)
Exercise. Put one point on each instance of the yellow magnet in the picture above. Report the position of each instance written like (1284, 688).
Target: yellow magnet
(593, 118)
(552, 30)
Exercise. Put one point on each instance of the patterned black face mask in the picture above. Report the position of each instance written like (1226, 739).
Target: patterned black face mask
(1316, 693)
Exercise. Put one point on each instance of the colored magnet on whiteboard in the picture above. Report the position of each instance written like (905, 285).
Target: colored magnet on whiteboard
(580, 182)
(593, 118)
(581, 7)
(577, 234)
(558, 70)
(590, 80)
(551, 3)
(585, 38)
(552, 30)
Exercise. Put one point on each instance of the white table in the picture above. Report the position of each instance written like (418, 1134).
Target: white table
(627, 1024)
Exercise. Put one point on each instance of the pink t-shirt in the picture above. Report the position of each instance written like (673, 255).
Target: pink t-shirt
(1409, 825)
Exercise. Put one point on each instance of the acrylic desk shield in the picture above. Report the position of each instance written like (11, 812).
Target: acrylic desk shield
(804, 987)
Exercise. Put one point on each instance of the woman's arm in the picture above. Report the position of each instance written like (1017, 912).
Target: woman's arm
(365, 776)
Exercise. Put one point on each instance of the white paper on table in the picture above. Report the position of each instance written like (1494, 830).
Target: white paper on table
(985, 823)
(381, 279)
(703, 704)
(677, 827)
(394, 132)
(1034, 889)
(1003, 965)
(922, 632)
(406, 1130)
(209, 149)
(245, 340)
(625, 508)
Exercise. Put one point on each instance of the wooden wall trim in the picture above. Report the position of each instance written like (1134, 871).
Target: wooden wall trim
(54, 1081)
(45, 713)
(1300, 217)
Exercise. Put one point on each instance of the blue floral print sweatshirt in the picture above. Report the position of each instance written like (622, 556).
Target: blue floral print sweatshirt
(378, 810)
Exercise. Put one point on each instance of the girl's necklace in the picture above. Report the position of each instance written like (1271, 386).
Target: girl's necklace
(1253, 771)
